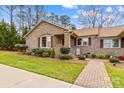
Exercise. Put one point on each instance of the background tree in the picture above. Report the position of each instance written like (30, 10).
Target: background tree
(64, 20)
(99, 16)
(29, 16)
(38, 12)
(11, 9)
(3, 34)
(20, 13)
(12, 37)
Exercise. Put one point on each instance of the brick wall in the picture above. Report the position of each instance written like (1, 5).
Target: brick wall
(42, 29)
(95, 48)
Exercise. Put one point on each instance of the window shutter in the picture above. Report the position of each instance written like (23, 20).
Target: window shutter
(38, 42)
(101, 43)
(79, 41)
(89, 41)
(51, 41)
(122, 42)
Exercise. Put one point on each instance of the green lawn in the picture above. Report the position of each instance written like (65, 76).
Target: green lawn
(65, 71)
(116, 75)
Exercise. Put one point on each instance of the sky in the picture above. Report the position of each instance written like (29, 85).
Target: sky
(71, 11)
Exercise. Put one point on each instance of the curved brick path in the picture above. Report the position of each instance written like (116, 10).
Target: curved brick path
(94, 76)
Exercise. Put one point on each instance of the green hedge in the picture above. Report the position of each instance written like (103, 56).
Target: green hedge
(82, 57)
(64, 50)
(21, 47)
(44, 52)
(114, 60)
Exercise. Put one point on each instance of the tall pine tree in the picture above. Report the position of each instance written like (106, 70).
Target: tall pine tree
(3, 35)
(12, 37)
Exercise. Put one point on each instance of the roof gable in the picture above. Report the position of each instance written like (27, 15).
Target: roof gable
(111, 31)
(42, 21)
(86, 31)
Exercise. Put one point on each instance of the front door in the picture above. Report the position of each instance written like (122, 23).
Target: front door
(77, 51)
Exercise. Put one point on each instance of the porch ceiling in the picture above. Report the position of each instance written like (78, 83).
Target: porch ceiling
(73, 35)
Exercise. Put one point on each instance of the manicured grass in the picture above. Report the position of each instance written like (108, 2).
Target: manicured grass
(65, 71)
(116, 75)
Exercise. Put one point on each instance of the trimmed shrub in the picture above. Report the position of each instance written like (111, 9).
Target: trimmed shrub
(21, 47)
(46, 54)
(101, 56)
(86, 55)
(35, 50)
(64, 50)
(107, 56)
(52, 54)
(114, 60)
(17, 46)
(39, 52)
(93, 56)
(65, 56)
(81, 57)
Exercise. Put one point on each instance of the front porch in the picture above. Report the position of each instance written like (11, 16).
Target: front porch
(66, 39)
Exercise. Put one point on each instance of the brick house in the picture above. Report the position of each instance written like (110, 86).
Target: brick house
(88, 40)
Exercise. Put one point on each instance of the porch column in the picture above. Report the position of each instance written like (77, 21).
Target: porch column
(67, 39)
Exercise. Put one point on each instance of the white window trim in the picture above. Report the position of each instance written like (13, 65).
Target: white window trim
(111, 42)
(46, 41)
(82, 41)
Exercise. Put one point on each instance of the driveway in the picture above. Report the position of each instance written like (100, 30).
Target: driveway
(16, 78)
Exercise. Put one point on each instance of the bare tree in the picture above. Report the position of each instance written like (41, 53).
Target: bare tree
(97, 16)
(29, 16)
(11, 9)
(20, 14)
(38, 12)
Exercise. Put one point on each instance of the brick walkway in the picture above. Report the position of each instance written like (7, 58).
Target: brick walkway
(94, 76)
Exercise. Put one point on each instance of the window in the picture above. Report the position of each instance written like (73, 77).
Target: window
(85, 41)
(43, 41)
(115, 43)
(111, 43)
(107, 44)
(46, 41)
